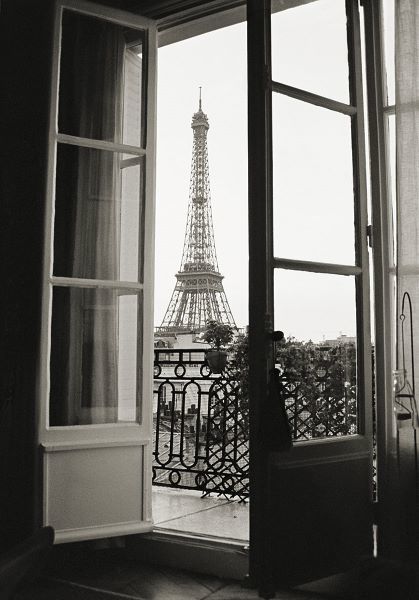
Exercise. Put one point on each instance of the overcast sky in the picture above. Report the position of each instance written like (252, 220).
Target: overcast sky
(313, 194)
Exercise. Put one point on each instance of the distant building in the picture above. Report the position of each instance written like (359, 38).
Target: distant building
(341, 339)
(177, 341)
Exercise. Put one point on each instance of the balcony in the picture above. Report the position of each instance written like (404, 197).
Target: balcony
(201, 433)
(201, 430)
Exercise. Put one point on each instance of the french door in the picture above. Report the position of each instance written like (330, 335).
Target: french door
(95, 422)
(311, 508)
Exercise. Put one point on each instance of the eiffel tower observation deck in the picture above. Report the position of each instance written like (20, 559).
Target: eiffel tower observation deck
(199, 294)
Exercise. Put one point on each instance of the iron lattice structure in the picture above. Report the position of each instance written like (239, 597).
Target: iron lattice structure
(201, 426)
(199, 294)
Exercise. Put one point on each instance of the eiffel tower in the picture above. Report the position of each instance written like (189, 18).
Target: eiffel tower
(199, 295)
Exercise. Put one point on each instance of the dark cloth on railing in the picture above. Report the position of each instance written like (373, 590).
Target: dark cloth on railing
(277, 430)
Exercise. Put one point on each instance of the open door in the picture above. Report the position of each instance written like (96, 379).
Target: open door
(95, 422)
(311, 505)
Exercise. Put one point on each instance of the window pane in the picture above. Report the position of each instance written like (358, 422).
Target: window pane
(312, 183)
(96, 348)
(98, 216)
(101, 80)
(391, 177)
(309, 48)
(317, 362)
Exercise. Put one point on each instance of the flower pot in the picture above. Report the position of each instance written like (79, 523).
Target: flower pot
(217, 360)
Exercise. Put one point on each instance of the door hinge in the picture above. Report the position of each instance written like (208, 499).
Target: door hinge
(369, 236)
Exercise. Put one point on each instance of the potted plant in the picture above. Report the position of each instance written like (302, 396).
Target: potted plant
(218, 335)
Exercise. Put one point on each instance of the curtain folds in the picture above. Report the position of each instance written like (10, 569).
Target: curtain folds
(90, 106)
(407, 184)
(98, 225)
(407, 168)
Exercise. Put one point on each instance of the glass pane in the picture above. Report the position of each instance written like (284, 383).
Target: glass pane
(391, 176)
(388, 33)
(312, 183)
(96, 348)
(309, 48)
(317, 361)
(98, 230)
(101, 80)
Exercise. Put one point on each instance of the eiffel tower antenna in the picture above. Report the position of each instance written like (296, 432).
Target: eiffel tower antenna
(199, 295)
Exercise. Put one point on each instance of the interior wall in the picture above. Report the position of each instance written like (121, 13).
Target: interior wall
(25, 56)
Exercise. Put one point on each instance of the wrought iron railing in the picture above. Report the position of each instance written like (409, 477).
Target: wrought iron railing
(325, 406)
(201, 433)
(201, 424)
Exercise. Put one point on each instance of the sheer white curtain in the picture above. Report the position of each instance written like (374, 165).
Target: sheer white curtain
(406, 509)
(407, 177)
(96, 342)
(97, 51)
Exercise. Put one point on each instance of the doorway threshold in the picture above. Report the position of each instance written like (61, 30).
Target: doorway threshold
(205, 535)
(187, 512)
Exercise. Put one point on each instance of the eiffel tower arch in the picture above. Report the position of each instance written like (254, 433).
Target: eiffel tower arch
(199, 295)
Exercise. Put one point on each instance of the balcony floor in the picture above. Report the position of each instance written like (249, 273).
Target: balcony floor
(184, 511)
